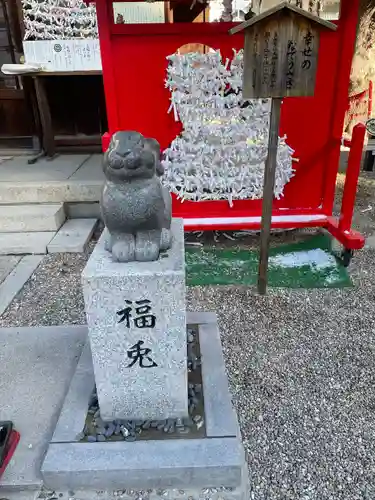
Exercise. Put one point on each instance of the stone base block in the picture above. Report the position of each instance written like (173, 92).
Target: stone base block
(136, 317)
(153, 468)
(221, 493)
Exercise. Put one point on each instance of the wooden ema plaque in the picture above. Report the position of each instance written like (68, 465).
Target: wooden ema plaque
(281, 52)
(280, 60)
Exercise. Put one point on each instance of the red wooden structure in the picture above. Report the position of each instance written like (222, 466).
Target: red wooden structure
(360, 106)
(134, 70)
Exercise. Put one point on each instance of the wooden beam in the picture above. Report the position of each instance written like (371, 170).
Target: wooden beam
(268, 188)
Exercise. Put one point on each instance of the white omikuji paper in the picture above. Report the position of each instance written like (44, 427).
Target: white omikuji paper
(59, 19)
(222, 150)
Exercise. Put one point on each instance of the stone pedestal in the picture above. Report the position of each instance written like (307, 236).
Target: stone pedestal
(137, 330)
(177, 468)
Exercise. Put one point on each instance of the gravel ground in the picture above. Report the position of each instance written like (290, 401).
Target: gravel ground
(300, 366)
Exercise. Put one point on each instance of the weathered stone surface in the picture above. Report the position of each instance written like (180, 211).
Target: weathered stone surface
(69, 191)
(74, 412)
(221, 419)
(31, 217)
(7, 264)
(145, 464)
(136, 208)
(59, 169)
(25, 243)
(73, 236)
(131, 386)
(36, 368)
(196, 464)
(16, 494)
(83, 210)
(203, 493)
(16, 280)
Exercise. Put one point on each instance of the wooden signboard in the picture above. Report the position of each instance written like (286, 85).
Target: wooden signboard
(280, 60)
(281, 52)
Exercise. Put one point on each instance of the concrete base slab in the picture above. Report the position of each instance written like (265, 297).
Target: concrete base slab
(221, 493)
(17, 279)
(216, 461)
(73, 236)
(37, 365)
(7, 264)
(30, 218)
(25, 243)
(7, 494)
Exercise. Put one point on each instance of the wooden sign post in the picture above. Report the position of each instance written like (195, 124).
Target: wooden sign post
(280, 60)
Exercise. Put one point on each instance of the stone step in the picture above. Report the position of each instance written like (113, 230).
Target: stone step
(73, 236)
(31, 218)
(25, 243)
(71, 191)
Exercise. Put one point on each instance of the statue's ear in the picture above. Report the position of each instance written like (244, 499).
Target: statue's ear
(159, 168)
(113, 142)
(154, 146)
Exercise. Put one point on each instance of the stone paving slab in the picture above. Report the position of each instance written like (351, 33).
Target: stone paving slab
(31, 217)
(74, 411)
(16, 280)
(222, 419)
(92, 169)
(7, 494)
(36, 368)
(222, 493)
(7, 264)
(58, 169)
(50, 191)
(25, 243)
(145, 464)
(73, 236)
(213, 461)
(219, 413)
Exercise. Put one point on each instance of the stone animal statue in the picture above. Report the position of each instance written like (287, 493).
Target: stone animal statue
(136, 208)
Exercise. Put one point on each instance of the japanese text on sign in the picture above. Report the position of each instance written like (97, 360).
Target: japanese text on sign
(307, 51)
(274, 60)
(266, 58)
(291, 63)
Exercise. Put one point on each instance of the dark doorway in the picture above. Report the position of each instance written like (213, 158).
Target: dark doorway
(17, 124)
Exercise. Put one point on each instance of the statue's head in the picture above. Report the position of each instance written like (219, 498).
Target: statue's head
(131, 156)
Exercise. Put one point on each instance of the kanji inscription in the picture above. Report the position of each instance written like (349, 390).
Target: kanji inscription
(280, 57)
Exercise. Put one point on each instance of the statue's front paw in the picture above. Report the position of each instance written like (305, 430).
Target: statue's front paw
(123, 250)
(147, 246)
(108, 243)
(165, 239)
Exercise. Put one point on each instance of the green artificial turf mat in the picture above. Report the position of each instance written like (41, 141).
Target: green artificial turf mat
(307, 264)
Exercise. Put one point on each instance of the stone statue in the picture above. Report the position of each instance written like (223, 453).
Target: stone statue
(136, 208)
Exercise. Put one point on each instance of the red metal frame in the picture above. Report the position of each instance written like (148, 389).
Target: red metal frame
(134, 69)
